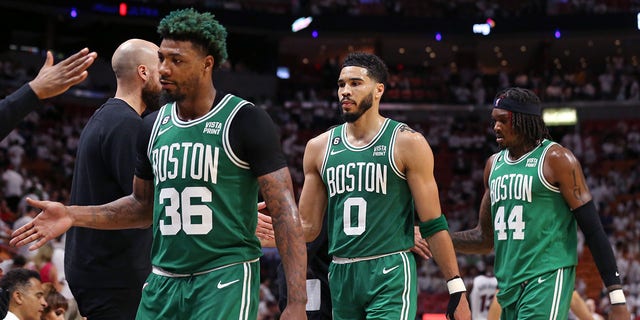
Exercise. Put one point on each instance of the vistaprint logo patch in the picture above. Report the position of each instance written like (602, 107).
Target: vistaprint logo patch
(212, 127)
(379, 151)
(532, 163)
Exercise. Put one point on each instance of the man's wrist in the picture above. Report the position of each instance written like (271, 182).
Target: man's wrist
(616, 297)
(455, 285)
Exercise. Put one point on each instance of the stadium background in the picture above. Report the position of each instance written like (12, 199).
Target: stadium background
(580, 56)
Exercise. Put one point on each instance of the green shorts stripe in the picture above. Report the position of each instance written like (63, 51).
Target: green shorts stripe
(406, 294)
(245, 307)
(557, 293)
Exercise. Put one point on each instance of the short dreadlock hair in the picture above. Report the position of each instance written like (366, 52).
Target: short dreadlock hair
(201, 28)
(530, 126)
(376, 68)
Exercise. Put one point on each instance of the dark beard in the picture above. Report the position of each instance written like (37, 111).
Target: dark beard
(364, 105)
(166, 97)
(151, 100)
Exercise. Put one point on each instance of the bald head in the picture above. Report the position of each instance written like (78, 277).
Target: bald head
(135, 64)
(132, 53)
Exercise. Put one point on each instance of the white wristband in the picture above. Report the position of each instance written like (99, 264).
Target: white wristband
(456, 285)
(617, 297)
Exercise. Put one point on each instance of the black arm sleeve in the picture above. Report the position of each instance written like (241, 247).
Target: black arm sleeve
(143, 165)
(15, 107)
(254, 138)
(595, 237)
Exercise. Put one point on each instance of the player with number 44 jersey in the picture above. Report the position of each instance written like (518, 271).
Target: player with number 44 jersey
(534, 198)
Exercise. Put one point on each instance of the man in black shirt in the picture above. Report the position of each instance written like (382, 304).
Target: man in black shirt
(106, 269)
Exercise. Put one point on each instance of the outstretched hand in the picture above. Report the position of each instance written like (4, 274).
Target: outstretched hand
(53, 221)
(53, 80)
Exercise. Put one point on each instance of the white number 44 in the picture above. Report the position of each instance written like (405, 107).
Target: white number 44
(514, 222)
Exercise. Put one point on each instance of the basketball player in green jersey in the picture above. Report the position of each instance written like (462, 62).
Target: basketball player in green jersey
(535, 192)
(369, 174)
(201, 161)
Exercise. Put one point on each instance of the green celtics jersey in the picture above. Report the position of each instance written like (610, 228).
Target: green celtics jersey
(535, 231)
(205, 200)
(370, 208)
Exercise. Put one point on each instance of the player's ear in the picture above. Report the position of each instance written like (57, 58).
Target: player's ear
(379, 90)
(209, 63)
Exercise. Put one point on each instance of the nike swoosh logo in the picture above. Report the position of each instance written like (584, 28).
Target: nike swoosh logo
(540, 280)
(161, 131)
(338, 151)
(226, 284)
(498, 166)
(385, 270)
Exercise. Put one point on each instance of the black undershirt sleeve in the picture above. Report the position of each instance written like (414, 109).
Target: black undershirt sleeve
(597, 241)
(16, 106)
(255, 139)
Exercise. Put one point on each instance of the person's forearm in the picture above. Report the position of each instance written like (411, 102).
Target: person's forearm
(124, 213)
(444, 255)
(15, 107)
(293, 251)
(470, 241)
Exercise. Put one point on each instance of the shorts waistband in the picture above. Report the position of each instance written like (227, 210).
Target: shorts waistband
(338, 260)
(161, 272)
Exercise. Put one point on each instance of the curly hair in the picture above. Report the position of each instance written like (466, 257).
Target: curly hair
(531, 127)
(376, 68)
(201, 28)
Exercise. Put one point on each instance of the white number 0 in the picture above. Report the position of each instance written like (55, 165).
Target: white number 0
(184, 221)
(361, 205)
(514, 222)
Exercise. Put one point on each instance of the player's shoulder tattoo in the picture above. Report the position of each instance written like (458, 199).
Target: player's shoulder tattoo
(405, 127)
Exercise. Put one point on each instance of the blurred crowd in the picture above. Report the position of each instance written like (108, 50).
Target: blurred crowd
(36, 159)
(431, 9)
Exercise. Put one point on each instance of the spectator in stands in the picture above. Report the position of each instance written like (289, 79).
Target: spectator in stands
(57, 304)
(43, 264)
(21, 295)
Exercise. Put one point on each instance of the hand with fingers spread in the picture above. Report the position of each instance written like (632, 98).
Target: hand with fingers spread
(53, 80)
(53, 221)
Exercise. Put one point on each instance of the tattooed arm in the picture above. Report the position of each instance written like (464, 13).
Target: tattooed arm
(480, 238)
(563, 170)
(133, 211)
(277, 191)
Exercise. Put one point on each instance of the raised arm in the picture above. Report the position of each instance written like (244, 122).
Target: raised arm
(562, 169)
(133, 211)
(53, 80)
(277, 191)
(480, 238)
(416, 161)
